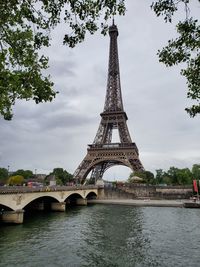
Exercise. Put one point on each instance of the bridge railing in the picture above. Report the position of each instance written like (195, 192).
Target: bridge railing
(25, 189)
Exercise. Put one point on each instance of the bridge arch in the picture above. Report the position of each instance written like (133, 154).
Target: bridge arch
(72, 198)
(4, 207)
(91, 195)
(47, 198)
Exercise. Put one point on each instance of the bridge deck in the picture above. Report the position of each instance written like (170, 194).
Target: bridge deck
(25, 189)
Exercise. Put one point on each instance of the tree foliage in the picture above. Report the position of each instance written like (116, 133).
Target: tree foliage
(25, 28)
(184, 49)
(62, 176)
(196, 171)
(3, 174)
(27, 174)
(174, 176)
(15, 180)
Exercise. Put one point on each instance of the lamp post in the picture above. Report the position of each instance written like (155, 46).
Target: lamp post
(8, 169)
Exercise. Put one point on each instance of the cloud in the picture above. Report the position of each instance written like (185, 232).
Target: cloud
(62, 68)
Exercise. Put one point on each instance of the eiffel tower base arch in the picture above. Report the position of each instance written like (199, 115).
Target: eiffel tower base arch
(98, 160)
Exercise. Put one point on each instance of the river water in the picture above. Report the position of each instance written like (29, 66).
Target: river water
(106, 236)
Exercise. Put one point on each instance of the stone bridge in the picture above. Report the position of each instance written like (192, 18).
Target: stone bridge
(15, 200)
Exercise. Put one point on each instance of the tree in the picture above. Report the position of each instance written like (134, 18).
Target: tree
(184, 176)
(184, 49)
(196, 171)
(179, 176)
(25, 173)
(172, 174)
(159, 176)
(149, 176)
(3, 175)
(166, 179)
(62, 176)
(15, 180)
(24, 29)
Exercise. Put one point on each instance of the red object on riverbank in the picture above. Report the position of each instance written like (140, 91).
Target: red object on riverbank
(195, 186)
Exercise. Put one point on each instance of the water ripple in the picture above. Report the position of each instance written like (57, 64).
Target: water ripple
(104, 236)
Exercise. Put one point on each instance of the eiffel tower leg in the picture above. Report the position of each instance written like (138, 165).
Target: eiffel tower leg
(97, 172)
(81, 172)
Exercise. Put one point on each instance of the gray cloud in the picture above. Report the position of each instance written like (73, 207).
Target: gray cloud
(62, 68)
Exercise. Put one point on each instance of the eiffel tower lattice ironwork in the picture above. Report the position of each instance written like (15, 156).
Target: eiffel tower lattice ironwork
(103, 154)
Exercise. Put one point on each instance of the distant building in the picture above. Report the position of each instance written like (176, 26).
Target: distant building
(51, 179)
(40, 177)
(137, 179)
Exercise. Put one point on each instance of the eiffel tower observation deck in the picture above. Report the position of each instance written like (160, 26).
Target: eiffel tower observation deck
(103, 153)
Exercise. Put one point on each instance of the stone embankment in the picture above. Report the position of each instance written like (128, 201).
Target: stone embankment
(144, 195)
(148, 191)
(140, 202)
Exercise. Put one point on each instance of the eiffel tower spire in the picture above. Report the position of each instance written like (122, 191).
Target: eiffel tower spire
(113, 100)
(103, 154)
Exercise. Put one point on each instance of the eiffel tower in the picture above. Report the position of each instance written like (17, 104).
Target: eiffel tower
(103, 154)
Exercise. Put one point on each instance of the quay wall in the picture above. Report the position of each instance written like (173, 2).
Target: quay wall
(147, 191)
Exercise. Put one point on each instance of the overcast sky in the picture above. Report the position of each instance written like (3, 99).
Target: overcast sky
(42, 137)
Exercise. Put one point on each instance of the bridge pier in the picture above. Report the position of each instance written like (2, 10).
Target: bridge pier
(101, 193)
(81, 201)
(58, 206)
(14, 216)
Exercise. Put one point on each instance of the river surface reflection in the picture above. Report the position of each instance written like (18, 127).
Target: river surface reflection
(106, 236)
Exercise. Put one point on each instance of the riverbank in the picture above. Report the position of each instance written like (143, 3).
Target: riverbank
(140, 202)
